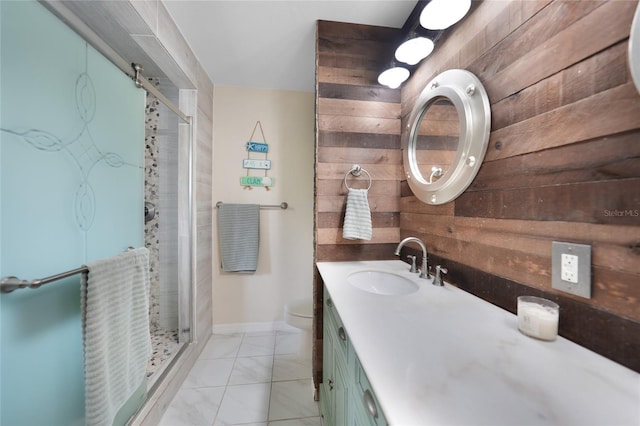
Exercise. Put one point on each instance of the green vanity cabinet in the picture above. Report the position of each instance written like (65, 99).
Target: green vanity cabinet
(333, 391)
(327, 400)
(365, 407)
(346, 397)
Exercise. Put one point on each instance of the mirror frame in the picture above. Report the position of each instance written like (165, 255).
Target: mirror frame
(634, 49)
(471, 101)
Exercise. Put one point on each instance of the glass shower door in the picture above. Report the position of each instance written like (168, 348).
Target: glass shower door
(71, 191)
(166, 189)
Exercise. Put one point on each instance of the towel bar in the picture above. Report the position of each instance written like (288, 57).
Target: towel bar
(282, 205)
(8, 284)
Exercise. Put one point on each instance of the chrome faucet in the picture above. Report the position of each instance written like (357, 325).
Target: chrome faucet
(424, 272)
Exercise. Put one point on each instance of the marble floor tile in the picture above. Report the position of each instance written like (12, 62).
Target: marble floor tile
(222, 346)
(261, 333)
(255, 369)
(308, 421)
(244, 404)
(290, 367)
(241, 424)
(193, 407)
(292, 400)
(257, 345)
(240, 380)
(209, 372)
(287, 342)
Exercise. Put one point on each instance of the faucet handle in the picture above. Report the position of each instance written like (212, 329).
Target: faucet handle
(440, 271)
(414, 268)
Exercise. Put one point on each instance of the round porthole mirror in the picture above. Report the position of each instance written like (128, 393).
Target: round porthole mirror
(447, 137)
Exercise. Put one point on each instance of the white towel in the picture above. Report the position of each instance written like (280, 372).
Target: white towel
(239, 235)
(357, 218)
(115, 323)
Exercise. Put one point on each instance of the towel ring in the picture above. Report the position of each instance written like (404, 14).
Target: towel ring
(356, 170)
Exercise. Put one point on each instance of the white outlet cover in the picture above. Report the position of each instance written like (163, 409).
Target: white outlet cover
(567, 274)
(569, 268)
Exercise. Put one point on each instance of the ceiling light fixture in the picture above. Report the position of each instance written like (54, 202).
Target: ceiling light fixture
(441, 14)
(414, 50)
(393, 77)
(434, 16)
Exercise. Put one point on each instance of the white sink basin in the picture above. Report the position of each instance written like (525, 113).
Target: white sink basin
(382, 282)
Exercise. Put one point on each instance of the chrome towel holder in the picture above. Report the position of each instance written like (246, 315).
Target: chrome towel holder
(283, 205)
(356, 171)
(9, 284)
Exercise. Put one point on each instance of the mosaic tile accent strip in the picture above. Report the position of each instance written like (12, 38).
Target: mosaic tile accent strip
(164, 345)
(152, 195)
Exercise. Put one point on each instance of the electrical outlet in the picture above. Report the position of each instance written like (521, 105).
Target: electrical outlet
(571, 268)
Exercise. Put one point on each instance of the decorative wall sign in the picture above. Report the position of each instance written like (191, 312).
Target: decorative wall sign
(248, 181)
(249, 163)
(257, 146)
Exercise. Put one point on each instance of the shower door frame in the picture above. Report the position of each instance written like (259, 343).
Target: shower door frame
(187, 289)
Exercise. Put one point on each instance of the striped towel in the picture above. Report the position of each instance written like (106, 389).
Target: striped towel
(116, 338)
(239, 236)
(357, 218)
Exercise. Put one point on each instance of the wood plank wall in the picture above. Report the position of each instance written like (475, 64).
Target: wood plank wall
(357, 122)
(563, 164)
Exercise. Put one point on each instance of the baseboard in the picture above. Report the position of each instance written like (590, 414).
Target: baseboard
(253, 327)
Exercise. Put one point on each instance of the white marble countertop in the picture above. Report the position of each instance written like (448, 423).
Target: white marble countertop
(443, 356)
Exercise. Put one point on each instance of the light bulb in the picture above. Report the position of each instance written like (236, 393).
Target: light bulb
(441, 14)
(414, 50)
(393, 77)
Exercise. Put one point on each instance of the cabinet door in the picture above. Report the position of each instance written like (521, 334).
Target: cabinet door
(328, 376)
(358, 415)
(364, 407)
(341, 395)
(333, 321)
(346, 396)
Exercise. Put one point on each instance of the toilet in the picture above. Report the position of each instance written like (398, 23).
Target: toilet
(299, 313)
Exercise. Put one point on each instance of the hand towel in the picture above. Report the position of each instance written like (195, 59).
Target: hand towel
(116, 338)
(239, 235)
(357, 218)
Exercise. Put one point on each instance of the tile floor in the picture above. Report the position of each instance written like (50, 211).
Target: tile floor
(252, 379)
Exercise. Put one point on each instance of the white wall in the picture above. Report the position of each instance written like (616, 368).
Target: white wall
(285, 260)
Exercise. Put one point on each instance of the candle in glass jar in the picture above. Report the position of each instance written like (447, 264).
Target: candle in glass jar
(538, 317)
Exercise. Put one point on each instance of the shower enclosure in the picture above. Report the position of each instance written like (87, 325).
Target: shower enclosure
(79, 158)
(169, 329)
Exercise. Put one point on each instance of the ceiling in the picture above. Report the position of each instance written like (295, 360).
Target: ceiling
(271, 43)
